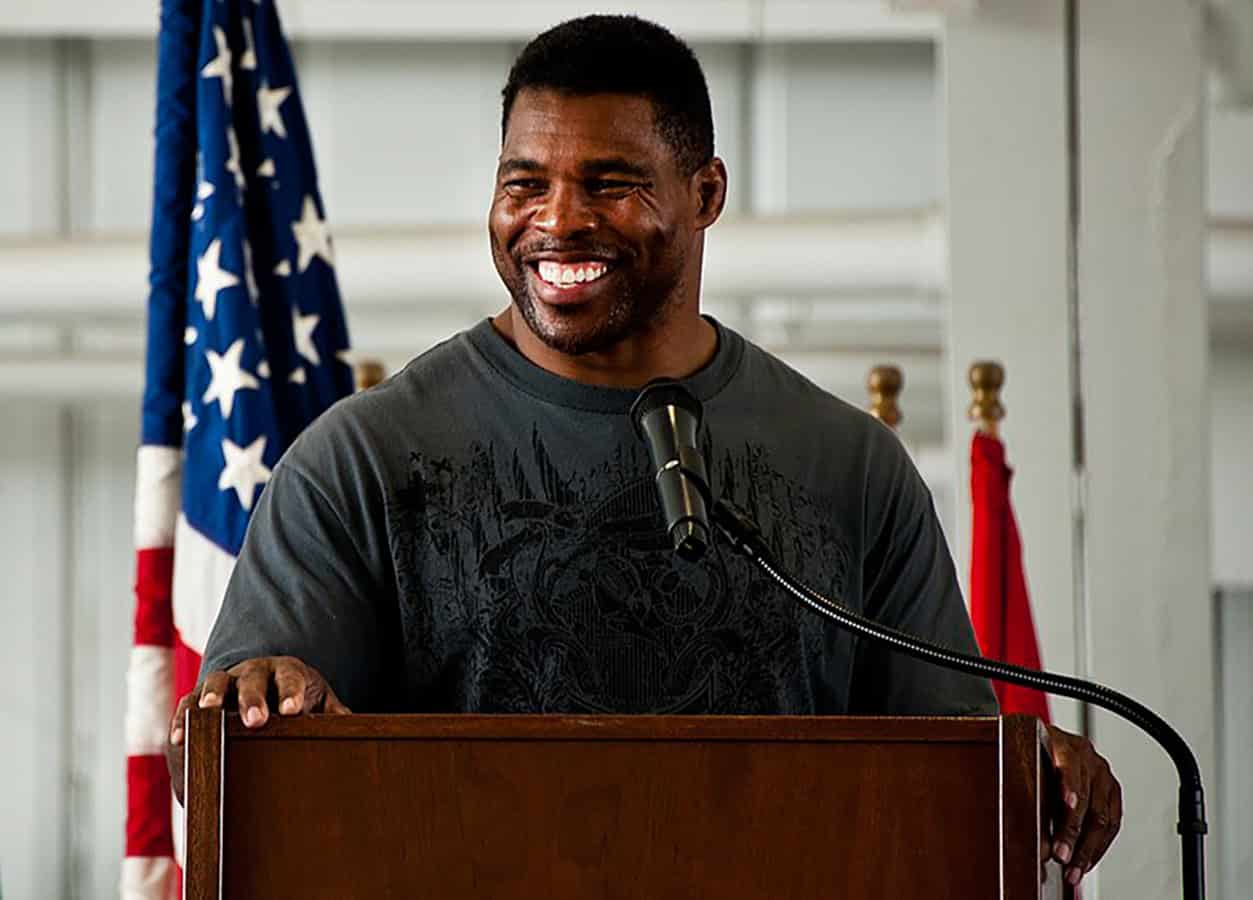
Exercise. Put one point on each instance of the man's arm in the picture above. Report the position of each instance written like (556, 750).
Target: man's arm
(307, 584)
(302, 623)
(910, 584)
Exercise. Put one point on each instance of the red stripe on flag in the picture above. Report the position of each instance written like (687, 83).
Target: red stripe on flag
(154, 612)
(186, 667)
(148, 830)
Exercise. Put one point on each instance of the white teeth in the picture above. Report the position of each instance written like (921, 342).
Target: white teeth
(567, 275)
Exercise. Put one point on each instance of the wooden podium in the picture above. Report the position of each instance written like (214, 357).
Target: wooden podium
(503, 807)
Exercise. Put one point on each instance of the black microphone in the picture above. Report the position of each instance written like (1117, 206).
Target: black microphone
(666, 417)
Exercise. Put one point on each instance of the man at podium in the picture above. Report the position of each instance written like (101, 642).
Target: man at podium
(480, 533)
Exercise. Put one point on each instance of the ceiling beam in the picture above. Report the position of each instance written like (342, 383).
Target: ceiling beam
(498, 20)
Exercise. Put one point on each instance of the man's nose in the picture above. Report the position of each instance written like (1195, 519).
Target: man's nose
(566, 212)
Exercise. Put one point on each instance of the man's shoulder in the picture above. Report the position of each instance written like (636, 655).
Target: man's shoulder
(781, 394)
(425, 391)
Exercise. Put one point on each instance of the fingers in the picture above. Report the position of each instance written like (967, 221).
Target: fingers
(289, 678)
(214, 689)
(297, 687)
(333, 705)
(252, 683)
(174, 758)
(180, 713)
(1089, 811)
(1101, 825)
(1073, 808)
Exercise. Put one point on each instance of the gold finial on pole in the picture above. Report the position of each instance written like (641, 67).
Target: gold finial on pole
(368, 373)
(884, 384)
(986, 379)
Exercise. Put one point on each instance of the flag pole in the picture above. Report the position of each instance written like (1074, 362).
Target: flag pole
(367, 373)
(884, 384)
(986, 379)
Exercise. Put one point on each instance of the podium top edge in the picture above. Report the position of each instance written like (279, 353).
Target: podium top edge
(806, 729)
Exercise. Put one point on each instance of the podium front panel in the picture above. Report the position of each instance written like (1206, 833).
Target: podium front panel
(634, 807)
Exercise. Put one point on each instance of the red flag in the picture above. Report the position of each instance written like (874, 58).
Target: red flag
(999, 605)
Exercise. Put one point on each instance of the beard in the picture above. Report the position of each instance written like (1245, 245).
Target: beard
(639, 304)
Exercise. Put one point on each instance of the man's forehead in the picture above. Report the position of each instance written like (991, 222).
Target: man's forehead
(544, 123)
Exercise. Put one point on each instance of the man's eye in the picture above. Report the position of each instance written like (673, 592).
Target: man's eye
(610, 186)
(520, 186)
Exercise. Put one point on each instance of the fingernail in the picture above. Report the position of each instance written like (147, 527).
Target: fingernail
(208, 699)
(252, 716)
(288, 706)
(1073, 875)
(176, 736)
(1062, 851)
(1072, 799)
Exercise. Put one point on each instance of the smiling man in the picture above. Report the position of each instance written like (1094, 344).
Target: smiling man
(481, 534)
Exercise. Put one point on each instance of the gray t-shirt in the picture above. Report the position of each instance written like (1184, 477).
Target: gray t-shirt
(477, 534)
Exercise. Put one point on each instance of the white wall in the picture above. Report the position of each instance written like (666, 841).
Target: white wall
(66, 490)
(1143, 333)
(34, 689)
(28, 100)
(1231, 472)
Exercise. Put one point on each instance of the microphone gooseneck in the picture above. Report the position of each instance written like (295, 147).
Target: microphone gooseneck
(666, 417)
(745, 537)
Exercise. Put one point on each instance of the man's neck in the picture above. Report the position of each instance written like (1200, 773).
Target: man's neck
(682, 347)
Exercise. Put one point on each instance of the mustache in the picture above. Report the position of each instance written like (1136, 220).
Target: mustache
(591, 248)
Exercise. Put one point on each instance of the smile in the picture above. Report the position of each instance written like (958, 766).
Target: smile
(566, 275)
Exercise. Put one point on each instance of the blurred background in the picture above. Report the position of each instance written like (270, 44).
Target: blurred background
(1066, 187)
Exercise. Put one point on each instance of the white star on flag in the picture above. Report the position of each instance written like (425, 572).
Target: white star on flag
(220, 65)
(189, 417)
(211, 277)
(203, 192)
(227, 377)
(302, 330)
(268, 102)
(243, 470)
(312, 237)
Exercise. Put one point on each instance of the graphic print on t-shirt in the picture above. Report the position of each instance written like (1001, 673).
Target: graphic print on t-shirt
(524, 587)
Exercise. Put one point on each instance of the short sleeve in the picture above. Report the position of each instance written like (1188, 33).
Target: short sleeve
(910, 584)
(304, 587)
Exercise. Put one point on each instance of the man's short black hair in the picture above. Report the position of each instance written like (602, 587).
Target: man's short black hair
(623, 55)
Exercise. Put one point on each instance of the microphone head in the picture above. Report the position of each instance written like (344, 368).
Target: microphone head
(666, 417)
(660, 393)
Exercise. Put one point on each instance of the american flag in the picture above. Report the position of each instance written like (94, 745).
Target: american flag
(246, 346)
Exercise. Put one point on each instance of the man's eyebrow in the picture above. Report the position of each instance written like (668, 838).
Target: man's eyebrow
(616, 165)
(518, 164)
(589, 168)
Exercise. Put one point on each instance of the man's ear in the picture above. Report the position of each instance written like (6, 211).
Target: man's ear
(710, 183)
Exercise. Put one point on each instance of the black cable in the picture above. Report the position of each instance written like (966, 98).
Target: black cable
(746, 538)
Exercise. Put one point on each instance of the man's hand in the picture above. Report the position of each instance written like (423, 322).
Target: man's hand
(1087, 806)
(297, 687)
